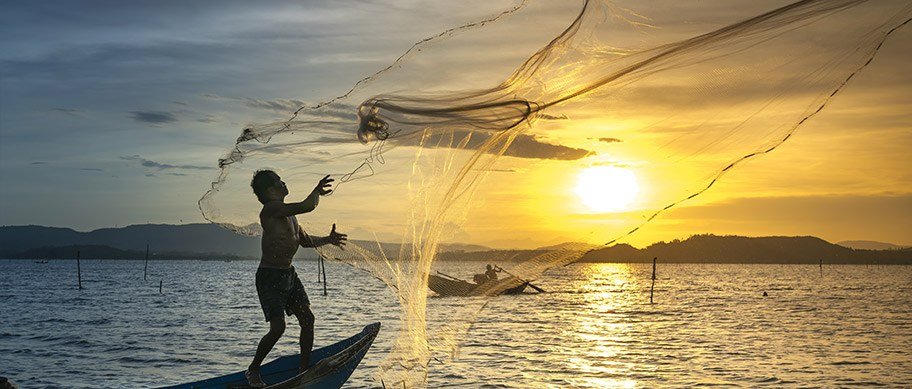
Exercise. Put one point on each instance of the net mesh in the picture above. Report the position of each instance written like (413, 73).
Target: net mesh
(677, 104)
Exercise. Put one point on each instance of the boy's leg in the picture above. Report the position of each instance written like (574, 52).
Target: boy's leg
(276, 329)
(299, 305)
(306, 320)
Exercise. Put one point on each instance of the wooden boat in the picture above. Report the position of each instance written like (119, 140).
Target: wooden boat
(330, 367)
(455, 287)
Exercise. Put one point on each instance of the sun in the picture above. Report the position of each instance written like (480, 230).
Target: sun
(607, 188)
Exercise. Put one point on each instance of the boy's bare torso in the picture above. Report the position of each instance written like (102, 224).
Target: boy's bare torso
(280, 241)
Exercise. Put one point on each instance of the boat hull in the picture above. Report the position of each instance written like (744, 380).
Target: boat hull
(448, 287)
(330, 367)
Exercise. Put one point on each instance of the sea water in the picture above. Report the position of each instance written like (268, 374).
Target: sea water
(839, 325)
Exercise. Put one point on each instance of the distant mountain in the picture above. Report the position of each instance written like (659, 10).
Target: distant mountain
(870, 245)
(105, 252)
(569, 246)
(185, 239)
(211, 241)
(740, 249)
(492, 256)
(190, 238)
(711, 249)
(463, 247)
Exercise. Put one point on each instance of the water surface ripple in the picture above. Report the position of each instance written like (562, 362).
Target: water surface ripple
(846, 325)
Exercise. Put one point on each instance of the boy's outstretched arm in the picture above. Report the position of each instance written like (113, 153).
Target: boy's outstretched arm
(280, 209)
(334, 238)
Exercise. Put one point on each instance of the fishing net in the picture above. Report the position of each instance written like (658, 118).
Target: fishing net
(482, 130)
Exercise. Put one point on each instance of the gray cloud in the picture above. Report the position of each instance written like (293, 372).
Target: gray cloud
(163, 166)
(153, 117)
(524, 146)
(545, 116)
(99, 61)
(335, 110)
(610, 140)
(67, 111)
(527, 146)
(278, 105)
(39, 163)
(338, 111)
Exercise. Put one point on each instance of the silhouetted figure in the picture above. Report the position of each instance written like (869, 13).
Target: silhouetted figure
(491, 273)
(279, 289)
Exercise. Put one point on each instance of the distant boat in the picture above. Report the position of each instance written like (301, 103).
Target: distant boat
(451, 286)
(41, 261)
(330, 367)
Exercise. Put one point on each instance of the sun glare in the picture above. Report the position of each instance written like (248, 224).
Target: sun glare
(607, 188)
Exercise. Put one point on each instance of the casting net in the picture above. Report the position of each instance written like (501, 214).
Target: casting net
(486, 125)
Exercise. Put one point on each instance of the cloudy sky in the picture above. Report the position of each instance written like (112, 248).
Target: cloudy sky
(115, 113)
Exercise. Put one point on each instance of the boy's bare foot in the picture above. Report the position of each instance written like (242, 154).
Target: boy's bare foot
(254, 379)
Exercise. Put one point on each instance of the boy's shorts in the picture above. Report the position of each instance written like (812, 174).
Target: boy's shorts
(280, 290)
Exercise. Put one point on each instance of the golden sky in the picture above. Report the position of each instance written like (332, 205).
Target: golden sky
(109, 124)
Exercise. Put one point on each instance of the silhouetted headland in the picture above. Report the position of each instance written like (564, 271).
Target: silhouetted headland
(185, 241)
(718, 249)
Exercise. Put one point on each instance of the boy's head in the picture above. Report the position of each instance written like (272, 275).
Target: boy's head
(268, 186)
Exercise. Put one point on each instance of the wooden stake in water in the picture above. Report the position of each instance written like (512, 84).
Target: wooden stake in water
(160, 282)
(146, 267)
(78, 270)
(323, 267)
(652, 288)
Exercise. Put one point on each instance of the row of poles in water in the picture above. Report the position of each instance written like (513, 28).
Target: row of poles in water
(321, 271)
(145, 271)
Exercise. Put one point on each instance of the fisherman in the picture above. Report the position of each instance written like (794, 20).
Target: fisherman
(491, 273)
(279, 289)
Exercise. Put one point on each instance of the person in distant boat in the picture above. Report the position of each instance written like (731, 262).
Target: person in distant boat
(278, 287)
(491, 273)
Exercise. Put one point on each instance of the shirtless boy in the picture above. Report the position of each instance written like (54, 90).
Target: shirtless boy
(278, 286)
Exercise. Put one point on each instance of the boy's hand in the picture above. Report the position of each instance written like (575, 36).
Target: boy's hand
(324, 187)
(337, 239)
